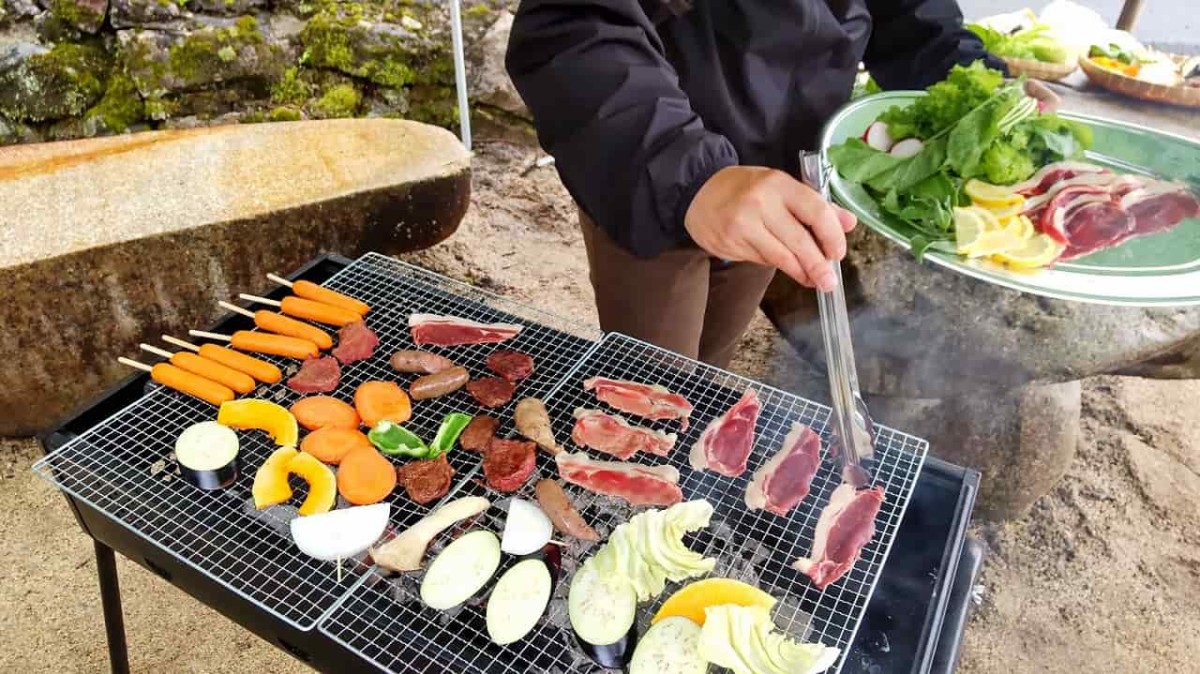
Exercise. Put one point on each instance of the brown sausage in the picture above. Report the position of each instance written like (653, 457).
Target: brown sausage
(439, 384)
(317, 312)
(223, 375)
(282, 325)
(311, 291)
(420, 362)
(275, 345)
(562, 514)
(259, 369)
(191, 384)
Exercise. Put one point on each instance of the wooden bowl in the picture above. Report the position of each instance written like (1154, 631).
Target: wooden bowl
(1039, 69)
(1135, 88)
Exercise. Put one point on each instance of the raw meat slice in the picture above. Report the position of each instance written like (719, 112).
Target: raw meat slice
(1095, 226)
(1051, 174)
(355, 342)
(316, 375)
(427, 480)
(644, 400)
(639, 485)
(846, 525)
(508, 463)
(491, 391)
(476, 436)
(783, 481)
(454, 331)
(1052, 220)
(613, 435)
(725, 445)
(512, 365)
(1160, 206)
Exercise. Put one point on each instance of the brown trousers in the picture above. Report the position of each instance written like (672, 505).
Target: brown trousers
(683, 300)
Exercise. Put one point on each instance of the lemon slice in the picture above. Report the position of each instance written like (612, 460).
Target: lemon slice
(1005, 212)
(1038, 251)
(1021, 225)
(969, 225)
(977, 229)
(991, 196)
(690, 601)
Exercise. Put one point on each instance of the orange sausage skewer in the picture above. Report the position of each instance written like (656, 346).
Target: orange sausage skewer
(309, 310)
(184, 381)
(261, 370)
(240, 382)
(282, 325)
(311, 291)
(265, 342)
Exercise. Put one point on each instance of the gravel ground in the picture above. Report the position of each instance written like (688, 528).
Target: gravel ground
(1097, 578)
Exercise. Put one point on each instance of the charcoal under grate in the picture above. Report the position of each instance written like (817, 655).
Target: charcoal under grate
(124, 466)
(383, 621)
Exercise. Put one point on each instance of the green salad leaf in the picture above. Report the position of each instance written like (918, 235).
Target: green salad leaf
(963, 90)
(1037, 43)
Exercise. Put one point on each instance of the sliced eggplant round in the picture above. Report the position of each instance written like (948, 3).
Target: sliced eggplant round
(603, 610)
(671, 646)
(207, 454)
(518, 601)
(461, 570)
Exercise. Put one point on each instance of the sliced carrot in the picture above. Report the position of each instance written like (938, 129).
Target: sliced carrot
(365, 477)
(331, 444)
(316, 412)
(379, 400)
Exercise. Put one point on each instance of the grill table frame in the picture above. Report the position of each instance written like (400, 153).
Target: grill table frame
(312, 646)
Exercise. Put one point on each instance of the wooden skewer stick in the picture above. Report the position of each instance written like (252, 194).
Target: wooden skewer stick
(280, 280)
(210, 335)
(175, 341)
(261, 300)
(236, 309)
(558, 543)
(134, 364)
(155, 350)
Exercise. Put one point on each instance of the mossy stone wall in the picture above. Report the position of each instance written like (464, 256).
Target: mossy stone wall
(81, 68)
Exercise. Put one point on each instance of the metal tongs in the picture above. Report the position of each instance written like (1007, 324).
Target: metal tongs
(853, 429)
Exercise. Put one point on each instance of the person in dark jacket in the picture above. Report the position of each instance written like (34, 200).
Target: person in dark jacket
(677, 126)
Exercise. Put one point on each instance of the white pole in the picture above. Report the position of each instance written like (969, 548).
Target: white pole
(460, 74)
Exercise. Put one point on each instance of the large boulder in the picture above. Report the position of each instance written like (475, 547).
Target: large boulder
(112, 241)
(489, 83)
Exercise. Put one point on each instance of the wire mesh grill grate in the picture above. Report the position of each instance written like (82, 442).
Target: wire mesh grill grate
(383, 620)
(124, 466)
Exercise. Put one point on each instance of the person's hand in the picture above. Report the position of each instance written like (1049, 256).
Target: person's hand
(1048, 101)
(754, 214)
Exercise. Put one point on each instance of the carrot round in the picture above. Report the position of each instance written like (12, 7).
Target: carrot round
(226, 376)
(331, 444)
(191, 384)
(365, 477)
(316, 412)
(259, 369)
(317, 312)
(275, 345)
(282, 325)
(379, 400)
(311, 291)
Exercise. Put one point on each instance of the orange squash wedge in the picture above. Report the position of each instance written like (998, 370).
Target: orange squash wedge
(271, 481)
(264, 415)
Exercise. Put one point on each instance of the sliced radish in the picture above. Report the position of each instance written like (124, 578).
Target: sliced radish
(340, 534)
(877, 137)
(526, 530)
(906, 148)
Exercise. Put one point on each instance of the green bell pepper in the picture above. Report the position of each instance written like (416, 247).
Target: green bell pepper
(395, 440)
(452, 426)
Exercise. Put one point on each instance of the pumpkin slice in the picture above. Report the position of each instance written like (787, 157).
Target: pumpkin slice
(264, 415)
(322, 484)
(271, 481)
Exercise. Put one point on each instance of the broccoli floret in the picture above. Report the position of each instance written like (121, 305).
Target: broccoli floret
(1004, 164)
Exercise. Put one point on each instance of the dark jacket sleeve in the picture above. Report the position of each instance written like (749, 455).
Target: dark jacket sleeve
(608, 107)
(914, 43)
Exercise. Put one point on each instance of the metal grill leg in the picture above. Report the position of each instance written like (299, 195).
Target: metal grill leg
(110, 599)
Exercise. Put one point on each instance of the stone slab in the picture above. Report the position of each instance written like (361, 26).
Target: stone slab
(108, 242)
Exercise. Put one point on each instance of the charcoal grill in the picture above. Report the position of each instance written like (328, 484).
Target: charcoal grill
(113, 462)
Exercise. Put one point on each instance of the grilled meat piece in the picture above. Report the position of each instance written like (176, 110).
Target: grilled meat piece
(507, 464)
(316, 375)
(426, 480)
(355, 342)
(454, 331)
(491, 391)
(479, 433)
(512, 365)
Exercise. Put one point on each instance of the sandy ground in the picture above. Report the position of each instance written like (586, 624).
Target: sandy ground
(1102, 576)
